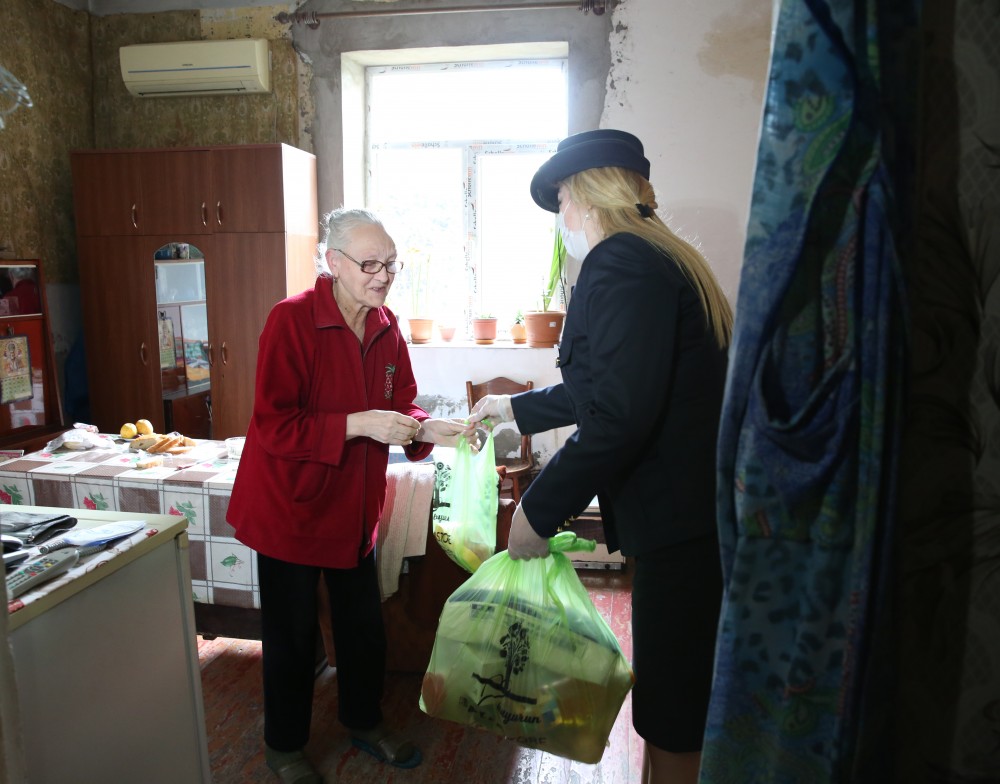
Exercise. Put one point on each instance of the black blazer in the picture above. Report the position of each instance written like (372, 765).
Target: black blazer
(643, 380)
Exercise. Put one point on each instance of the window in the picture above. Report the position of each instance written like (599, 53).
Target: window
(451, 149)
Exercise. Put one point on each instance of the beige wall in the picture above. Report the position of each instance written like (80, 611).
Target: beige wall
(689, 80)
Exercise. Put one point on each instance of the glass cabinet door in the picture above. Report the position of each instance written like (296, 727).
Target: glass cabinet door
(182, 324)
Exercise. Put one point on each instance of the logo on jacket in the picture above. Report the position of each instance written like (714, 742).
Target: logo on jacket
(390, 371)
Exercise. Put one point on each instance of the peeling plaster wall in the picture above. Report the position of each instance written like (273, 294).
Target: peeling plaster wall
(689, 78)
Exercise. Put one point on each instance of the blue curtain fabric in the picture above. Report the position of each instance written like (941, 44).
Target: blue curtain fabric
(811, 418)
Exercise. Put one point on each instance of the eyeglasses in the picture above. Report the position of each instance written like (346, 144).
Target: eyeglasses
(374, 266)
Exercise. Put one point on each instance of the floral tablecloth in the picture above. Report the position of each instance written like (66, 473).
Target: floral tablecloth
(195, 486)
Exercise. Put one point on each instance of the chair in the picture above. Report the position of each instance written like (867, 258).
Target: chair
(517, 469)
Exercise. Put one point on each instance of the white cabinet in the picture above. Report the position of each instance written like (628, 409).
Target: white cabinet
(106, 667)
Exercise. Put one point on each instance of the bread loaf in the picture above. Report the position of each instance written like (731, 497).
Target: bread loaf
(149, 461)
(164, 444)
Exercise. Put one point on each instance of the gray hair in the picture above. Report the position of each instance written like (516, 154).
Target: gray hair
(336, 228)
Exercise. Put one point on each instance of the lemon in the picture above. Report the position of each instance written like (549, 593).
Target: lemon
(144, 427)
(470, 558)
(128, 430)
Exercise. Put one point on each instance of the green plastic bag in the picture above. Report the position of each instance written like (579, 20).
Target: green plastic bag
(522, 652)
(465, 519)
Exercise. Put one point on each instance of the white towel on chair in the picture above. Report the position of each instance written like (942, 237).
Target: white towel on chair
(402, 531)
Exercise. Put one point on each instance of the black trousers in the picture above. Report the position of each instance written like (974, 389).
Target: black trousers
(289, 630)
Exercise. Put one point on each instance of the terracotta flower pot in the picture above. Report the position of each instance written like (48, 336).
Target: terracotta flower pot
(421, 330)
(519, 333)
(447, 333)
(484, 330)
(544, 327)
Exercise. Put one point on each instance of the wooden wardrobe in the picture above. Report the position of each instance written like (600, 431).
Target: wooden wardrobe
(249, 213)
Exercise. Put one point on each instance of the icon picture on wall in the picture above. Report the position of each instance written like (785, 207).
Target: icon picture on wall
(15, 369)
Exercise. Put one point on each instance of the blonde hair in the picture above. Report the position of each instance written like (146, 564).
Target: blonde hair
(613, 194)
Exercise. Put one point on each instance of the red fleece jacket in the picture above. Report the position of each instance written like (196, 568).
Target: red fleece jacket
(303, 493)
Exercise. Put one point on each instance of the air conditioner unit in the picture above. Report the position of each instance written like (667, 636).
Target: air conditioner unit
(197, 68)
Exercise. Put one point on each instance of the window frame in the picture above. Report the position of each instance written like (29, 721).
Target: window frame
(473, 151)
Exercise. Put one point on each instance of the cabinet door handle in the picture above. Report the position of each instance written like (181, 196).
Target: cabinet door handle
(211, 355)
(204, 214)
(218, 212)
(142, 352)
(224, 354)
(135, 217)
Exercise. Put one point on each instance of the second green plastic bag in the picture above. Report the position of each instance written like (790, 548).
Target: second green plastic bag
(521, 651)
(465, 520)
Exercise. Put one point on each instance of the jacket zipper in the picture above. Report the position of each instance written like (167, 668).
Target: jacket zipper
(364, 483)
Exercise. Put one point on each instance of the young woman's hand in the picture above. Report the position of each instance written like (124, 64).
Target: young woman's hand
(496, 408)
(523, 544)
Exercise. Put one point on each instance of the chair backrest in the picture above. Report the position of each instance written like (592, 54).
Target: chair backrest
(501, 385)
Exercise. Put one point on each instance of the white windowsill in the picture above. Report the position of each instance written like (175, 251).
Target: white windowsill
(472, 344)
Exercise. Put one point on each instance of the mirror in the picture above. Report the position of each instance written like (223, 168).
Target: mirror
(19, 292)
(30, 406)
(182, 324)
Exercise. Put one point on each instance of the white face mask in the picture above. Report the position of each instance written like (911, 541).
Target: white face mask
(576, 242)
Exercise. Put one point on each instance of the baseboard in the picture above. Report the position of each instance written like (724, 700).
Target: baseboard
(599, 559)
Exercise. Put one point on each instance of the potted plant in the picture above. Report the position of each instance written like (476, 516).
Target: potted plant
(518, 332)
(484, 329)
(421, 326)
(544, 325)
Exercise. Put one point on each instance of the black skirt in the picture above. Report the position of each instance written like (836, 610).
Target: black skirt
(676, 599)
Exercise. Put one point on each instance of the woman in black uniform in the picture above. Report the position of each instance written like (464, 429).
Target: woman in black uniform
(643, 361)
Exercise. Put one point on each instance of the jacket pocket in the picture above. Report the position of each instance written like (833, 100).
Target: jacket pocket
(796, 463)
(309, 482)
(565, 352)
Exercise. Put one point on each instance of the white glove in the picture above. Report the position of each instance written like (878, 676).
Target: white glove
(495, 407)
(523, 544)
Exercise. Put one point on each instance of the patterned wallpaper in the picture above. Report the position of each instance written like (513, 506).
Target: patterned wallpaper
(36, 206)
(120, 120)
(80, 102)
(949, 632)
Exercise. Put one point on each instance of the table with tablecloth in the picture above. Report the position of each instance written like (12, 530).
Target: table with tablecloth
(197, 486)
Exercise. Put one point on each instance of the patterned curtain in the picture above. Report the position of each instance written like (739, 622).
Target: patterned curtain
(812, 416)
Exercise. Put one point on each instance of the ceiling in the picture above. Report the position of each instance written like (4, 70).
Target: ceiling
(105, 7)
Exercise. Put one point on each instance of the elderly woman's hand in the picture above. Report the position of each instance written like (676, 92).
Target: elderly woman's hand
(387, 427)
(446, 432)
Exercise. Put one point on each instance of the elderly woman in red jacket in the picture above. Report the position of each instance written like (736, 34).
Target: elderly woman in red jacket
(334, 389)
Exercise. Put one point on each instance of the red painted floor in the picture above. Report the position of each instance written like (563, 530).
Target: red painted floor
(453, 754)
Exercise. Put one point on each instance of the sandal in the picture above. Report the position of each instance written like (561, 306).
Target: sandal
(292, 767)
(387, 747)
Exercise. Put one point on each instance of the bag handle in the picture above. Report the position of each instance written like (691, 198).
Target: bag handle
(567, 541)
